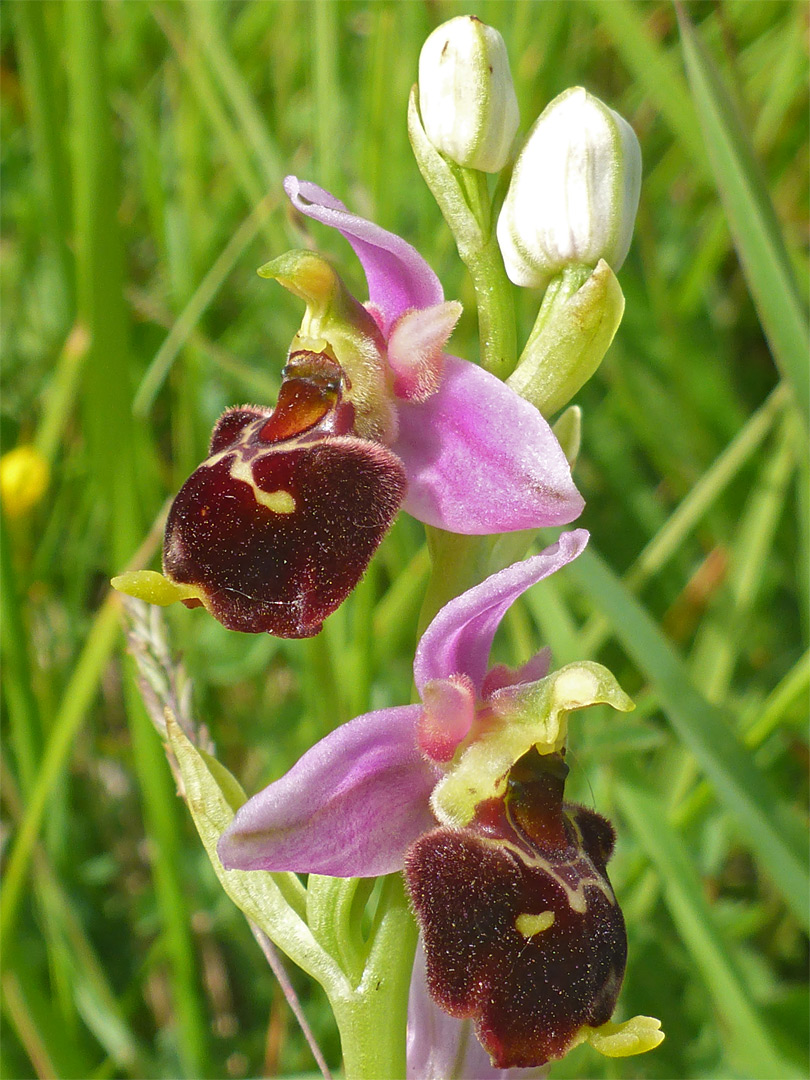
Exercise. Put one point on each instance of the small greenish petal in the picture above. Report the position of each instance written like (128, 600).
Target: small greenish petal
(337, 324)
(518, 718)
(153, 588)
(634, 1036)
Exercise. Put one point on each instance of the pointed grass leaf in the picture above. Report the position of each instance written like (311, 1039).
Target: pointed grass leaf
(766, 827)
(748, 1039)
(751, 218)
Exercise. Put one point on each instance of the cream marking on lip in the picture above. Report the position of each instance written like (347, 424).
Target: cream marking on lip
(529, 925)
(576, 896)
(280, 502)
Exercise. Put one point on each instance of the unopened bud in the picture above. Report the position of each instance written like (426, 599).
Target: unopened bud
(574, 191)
(466, 97)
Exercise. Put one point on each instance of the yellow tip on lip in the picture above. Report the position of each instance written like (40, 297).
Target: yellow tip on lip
(634, 1036)
(154, 588)
(280, 502)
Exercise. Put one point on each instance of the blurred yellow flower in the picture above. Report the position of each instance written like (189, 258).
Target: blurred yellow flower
(24, 478)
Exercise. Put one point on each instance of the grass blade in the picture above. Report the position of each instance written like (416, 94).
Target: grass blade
(751, 217)
(749, 1041)
(77, 698)
(765, 825)
(655, 70)
(192, 313)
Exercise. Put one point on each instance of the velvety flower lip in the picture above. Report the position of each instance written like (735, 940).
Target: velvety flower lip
(277, 526)
(440, 1045)
(355, 801)
(521, 929)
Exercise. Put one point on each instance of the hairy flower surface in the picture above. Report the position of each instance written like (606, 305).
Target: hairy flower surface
(439, 1046)
(465, 790)
(276, 527)
(522, 931)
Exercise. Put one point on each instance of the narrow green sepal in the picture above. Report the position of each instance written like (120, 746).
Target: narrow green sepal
(578, 319)
(635, 1036)
(153, 588)
(274, 902)
(517, 719)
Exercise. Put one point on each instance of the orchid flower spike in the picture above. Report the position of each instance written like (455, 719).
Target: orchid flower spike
(277, 526)
(521, 930)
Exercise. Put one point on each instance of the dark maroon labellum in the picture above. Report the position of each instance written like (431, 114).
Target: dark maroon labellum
(521, 929)
(278, 525)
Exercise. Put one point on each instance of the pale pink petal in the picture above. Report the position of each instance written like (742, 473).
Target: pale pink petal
(459, 639)
(480, 459)
(532, 671)
(448, 710)
(397, 275)
(348, 808)
(416, 349)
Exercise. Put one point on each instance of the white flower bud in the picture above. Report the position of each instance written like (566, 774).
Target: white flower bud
(574, 191)
(466, 97)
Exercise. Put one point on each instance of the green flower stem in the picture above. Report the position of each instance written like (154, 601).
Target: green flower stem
(372, 1021)
(456, 564)
(560, 289)
(464, 200)
(493, 291)
(496, 311)
(334, 911)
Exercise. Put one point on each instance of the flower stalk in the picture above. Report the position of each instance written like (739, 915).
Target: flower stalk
(372, 1020)
(461, 790)
(463, 198)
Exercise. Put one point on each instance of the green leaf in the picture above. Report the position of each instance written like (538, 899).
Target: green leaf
(748, 1039)
(766, 827)
(751, 218)
(264, 898)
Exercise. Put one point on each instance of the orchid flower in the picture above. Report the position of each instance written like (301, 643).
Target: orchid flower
(278, 524)
(465, 791)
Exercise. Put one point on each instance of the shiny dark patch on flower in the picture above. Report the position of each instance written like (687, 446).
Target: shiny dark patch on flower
(521, 929)
(278, 525)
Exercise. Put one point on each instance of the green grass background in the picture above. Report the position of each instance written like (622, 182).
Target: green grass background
(143, 149)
